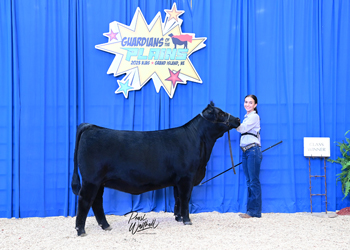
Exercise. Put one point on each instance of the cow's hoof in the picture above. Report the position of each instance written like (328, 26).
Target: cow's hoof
(178, 218)
(107, 228)
(187, 222)
(81, 233)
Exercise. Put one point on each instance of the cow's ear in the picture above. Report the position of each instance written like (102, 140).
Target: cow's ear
(208, 109)
(212, 104)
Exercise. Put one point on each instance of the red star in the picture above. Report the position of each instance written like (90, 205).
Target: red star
(174, 77)
(112, 35)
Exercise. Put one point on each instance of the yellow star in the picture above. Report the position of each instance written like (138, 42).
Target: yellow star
(173, 13)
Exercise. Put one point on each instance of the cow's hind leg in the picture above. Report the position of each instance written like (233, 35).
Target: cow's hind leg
(86, 197)
(177, 211)
(185, 188)
(97, 207)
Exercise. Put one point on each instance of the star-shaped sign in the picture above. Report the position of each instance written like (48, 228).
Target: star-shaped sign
(124, 87)
(174, 77)
(173, 13)
(112, 35)
(145, 51)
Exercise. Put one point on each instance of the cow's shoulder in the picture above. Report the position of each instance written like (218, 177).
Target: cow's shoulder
(85, 126)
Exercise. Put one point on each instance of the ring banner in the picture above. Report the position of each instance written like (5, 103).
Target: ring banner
(158, 51)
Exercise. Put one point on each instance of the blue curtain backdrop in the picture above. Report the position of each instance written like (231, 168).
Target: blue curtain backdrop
(293, 55)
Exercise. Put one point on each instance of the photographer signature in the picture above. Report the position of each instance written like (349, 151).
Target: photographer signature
(140, 223)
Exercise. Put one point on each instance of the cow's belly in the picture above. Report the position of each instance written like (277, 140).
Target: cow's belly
(134, 187)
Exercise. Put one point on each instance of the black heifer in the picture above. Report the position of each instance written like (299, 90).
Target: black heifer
(136, 162)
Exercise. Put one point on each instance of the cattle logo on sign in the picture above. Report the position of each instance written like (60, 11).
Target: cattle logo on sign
(158, 51)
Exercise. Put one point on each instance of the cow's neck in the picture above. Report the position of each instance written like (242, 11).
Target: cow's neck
(208, 133)
(205, 134)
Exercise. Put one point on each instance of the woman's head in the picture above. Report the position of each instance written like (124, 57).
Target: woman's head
(250, 103)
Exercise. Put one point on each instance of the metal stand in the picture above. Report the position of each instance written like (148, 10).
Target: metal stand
(325, 182)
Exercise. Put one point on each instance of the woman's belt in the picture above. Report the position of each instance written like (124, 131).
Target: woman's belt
(249, 146)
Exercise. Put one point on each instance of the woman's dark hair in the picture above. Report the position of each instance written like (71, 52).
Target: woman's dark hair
(255, 100)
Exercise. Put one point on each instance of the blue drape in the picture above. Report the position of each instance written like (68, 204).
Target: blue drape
(293, 55)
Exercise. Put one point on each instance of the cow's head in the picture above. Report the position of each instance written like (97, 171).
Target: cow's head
(216, 115)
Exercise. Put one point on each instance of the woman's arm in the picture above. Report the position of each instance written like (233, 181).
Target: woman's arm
(249, 123)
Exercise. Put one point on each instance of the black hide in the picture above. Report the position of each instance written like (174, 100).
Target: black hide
(136, 162)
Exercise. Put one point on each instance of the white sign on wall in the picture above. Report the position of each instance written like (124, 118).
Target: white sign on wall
(317, 147)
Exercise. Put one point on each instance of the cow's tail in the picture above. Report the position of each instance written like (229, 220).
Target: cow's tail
(76, 179)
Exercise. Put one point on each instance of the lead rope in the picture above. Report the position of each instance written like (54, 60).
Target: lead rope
(229, 143)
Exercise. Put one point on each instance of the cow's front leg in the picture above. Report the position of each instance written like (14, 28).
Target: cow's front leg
(185, 189)
(177, 211)
(97, 207)
(86, 197)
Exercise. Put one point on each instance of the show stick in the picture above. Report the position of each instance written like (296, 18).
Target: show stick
(239, 163)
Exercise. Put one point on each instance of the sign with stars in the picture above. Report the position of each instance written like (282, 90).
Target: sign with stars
(157, 51)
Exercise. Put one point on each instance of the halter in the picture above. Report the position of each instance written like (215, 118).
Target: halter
(228, 134)
(227, 123)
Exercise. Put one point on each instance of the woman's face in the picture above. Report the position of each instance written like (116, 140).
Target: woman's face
(249, 104)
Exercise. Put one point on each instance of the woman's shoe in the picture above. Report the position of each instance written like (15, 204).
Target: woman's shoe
(245, 216)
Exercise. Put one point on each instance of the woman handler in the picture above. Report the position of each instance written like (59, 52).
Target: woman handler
(251, 158)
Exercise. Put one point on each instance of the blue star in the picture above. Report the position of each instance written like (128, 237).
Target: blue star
(124, 87)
